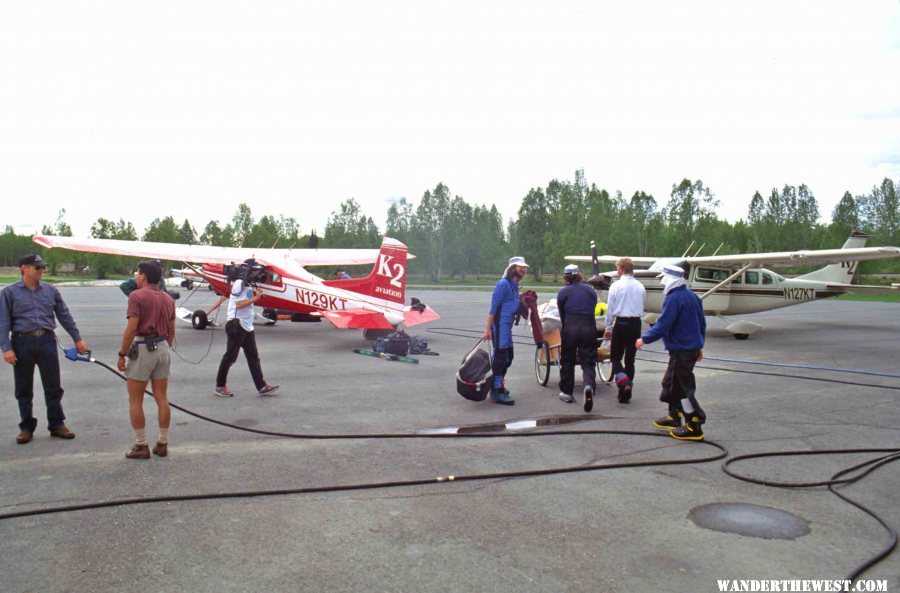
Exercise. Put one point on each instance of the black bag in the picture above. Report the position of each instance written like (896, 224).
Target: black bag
(394, 343)
(474, 378)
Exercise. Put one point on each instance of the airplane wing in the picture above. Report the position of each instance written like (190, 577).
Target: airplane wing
(803, 257)
(612, 259)
(213, 255)
(357, 319)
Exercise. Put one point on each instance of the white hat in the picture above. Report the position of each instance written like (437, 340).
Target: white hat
(674, 271)
(517, 261)
(572, 269)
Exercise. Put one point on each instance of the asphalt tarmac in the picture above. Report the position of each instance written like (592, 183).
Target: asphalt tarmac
(627, 529)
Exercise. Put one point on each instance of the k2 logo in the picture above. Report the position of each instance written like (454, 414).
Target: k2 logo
(850, 265)
(385, 269)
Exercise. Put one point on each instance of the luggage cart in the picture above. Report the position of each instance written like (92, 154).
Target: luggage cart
(548, 355)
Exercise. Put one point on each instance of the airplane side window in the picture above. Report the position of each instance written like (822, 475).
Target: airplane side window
(752, 277)
(767, 279)
(706, 274)
(738, 280)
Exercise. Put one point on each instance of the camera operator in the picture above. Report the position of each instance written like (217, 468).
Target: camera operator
(239, 329)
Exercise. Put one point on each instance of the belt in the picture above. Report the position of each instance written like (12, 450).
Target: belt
(35, 333)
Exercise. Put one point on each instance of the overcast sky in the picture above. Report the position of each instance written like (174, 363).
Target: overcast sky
(139, 110)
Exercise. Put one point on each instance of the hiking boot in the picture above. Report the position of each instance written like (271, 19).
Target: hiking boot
(268, 389)
(588, 398)
(24, 437)
(223, 391)
(667, 423)
(625, 395)
(161, 449)
(62, 432)
(138, 452)
(565, 397)
(691, 431)
(502, 398)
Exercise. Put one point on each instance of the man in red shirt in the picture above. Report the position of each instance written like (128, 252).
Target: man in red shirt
(145, 343)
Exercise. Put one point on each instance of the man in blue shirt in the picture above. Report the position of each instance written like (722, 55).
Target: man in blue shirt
(682, 326)
(576, 302)
(504, 304)
(27, 309)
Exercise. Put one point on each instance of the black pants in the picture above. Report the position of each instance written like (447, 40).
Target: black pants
(239, 338)
(625, 332)
(678, 384)
(40, 351)
(579, 335)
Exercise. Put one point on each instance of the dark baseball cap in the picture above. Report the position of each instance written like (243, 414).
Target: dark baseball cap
(33, 259)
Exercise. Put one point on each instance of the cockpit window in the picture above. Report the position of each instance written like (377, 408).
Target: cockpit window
(712, 274)
(767, 278)
(752, 277)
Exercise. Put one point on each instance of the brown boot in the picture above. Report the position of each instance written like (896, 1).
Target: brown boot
(24, 437)
(161, 449)
(62, 432)
(138, 452)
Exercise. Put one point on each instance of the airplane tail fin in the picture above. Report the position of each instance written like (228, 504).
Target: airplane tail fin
(844, 271)
(387, 280)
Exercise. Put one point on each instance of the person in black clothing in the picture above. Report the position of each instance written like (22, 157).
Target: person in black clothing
(576, 302)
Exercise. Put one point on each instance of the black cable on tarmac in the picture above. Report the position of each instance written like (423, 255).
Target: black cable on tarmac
(720, 454)
(870, 466)
(835, 480)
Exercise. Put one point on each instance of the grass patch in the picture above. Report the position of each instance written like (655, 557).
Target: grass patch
(893, 297)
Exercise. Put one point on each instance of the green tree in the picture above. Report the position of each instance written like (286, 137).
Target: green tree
(163, 230)
(430, 228)
(532, 230)
(101, 264)
(187, 235)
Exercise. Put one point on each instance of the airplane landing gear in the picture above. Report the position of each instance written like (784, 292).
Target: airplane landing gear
(199, 319)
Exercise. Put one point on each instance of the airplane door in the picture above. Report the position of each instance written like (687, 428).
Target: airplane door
(703, 278)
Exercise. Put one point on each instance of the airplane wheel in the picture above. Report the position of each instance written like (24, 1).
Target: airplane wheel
(542, 364)
(199, 319)
(209, 287)
(741, 336)
(188, 284)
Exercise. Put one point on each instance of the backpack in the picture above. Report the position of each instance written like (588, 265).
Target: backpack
(474, 378)
(394, 343)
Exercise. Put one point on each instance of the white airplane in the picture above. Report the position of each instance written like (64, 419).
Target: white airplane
(375, 303)
(738, 285)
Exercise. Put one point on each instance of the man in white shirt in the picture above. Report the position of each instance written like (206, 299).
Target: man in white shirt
(239, 329)
(623, 325)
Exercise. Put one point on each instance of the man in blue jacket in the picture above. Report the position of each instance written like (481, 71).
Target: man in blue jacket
(576, 302)
(682, 326)
(504, 304)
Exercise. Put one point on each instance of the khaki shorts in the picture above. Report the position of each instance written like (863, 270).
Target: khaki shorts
(149, 365)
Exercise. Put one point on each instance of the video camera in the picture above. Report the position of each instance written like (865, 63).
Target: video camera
(249, 272)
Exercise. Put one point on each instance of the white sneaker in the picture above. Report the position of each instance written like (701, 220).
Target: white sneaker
(565, 397)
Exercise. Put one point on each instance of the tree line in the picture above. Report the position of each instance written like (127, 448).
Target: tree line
(453, 239)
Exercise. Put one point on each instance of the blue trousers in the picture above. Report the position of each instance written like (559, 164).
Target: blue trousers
(40, 351)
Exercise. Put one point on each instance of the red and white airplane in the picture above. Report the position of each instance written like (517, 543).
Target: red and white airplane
(376, 302)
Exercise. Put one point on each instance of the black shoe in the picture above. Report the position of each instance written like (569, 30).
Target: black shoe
(667, 423)
(691, 431)
(588, 398)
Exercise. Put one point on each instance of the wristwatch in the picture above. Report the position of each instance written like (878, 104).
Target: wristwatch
(121, 355)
